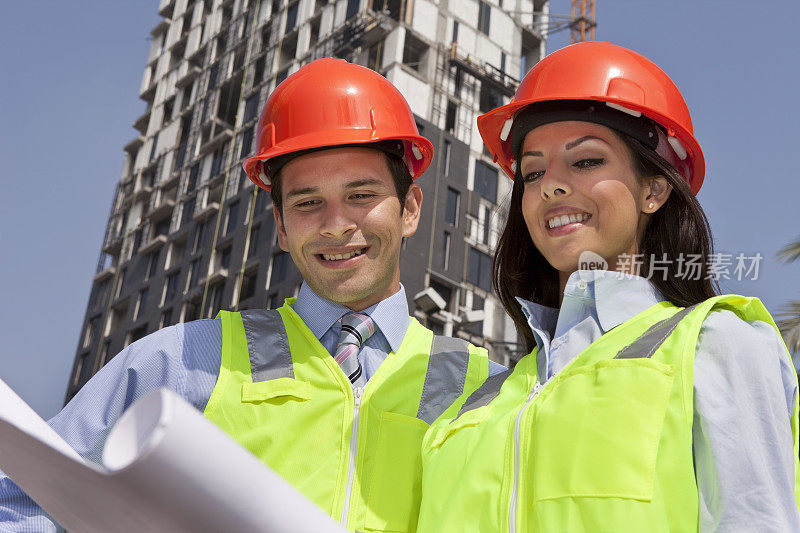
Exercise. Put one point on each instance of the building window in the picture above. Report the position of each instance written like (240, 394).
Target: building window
(486, 181)
(182, 148)
(291, 17)
(352, 8)
(391, 8)
(251, 107)
(120, 283)
(88, 334)
(191, 311)
(445, 164)
(225, 257)
(253, 245)
(115, 319)
(274, 301)
(148, 179)
(83, 372)
(452, 206)
(375, 56)
(199, 236)
(153, 147)
(446, 251)
(458, 82)
(212, 76)
(191, 183)
(247, 143)
(484, 14)
(282, 75)
(137, 241)
(455, 31)
(280, 264)
(231, 218)
(248, 285)
(171, 287)
(162, 227)
(216, 161)
(188, 211)
(137, 333)
(258, 73)
(414, 52)
(262, 197)
(141, 304)
(186, 97)
(168, 106)
(152, 264)
(176, 251)
(99, 293)
(104, 358)
(215, 299)
(484, 222)
(194, 273)
(166, 318)
(490, 98)
(450, 116)
(479, 269)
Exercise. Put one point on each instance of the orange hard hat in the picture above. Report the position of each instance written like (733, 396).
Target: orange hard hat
(631, 85)
(331, 102)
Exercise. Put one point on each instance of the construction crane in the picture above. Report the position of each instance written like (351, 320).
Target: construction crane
(581, 27)
(580, 22)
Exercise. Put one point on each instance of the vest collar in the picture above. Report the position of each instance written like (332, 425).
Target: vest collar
(615, 297)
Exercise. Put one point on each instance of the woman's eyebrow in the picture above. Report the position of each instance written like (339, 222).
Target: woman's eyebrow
(573, 144)
(533, 153)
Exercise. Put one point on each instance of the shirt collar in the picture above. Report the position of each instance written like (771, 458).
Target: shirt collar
(320, 314)
(617, 297)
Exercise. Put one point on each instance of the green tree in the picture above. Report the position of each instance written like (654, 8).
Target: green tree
(789, 317)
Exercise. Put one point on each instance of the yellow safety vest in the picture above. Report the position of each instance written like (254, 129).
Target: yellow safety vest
(604, 445)
(355, 454)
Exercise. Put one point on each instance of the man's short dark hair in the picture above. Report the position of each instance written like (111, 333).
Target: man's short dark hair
(397, 168)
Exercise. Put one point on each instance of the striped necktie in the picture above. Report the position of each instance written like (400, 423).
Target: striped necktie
(356, 329)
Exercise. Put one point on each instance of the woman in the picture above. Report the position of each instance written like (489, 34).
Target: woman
(647, 403)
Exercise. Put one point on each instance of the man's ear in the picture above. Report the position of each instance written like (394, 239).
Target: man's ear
(655, 193)
(411, 210)
(282, 239)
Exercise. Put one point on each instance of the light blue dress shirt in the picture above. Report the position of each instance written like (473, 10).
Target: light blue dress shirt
(744, 394)
(186, 359)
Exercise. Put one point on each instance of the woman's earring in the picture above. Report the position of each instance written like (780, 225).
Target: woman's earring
(651, 205)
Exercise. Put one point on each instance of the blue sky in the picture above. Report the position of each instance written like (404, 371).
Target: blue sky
(71, 74)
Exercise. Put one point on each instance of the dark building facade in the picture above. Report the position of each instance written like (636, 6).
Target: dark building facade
(188, 234)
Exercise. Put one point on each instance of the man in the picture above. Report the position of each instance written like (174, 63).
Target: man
(335, 389)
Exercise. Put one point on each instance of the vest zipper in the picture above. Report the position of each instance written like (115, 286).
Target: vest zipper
(351, 471)
(512, 515)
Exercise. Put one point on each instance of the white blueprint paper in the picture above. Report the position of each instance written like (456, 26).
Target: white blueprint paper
(166, 468)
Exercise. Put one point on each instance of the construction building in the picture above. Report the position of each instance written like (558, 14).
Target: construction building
(188, 234)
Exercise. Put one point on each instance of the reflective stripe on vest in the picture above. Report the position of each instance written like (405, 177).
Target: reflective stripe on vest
(646, 345)
(485, 393)
(270, 358)
(267, 345)
(444, 380)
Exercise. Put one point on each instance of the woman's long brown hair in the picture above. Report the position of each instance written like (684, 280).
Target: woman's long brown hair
(679, 229)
